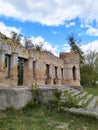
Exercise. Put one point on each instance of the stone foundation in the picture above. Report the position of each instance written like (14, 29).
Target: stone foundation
(19, 97)
(16, 97)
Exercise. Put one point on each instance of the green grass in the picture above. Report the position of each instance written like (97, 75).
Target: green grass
(91, 90)
(41, 118)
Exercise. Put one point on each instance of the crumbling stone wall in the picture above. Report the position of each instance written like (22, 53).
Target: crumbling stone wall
(40, 67)
(71, 62)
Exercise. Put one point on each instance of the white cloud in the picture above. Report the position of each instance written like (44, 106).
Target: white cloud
(7, 29)
(46, 45)
(70, 24)
(92, 31)
(8, 9)
(90, 46)
(54, 32)
(66, 48)
(50, 12)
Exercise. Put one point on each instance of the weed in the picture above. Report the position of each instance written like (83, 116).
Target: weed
(41, 118)
(68, 100)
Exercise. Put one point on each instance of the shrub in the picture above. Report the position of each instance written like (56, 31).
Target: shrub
(69, 100)
(54, 102)
(34, 90)
(57, 93)
(63, 99)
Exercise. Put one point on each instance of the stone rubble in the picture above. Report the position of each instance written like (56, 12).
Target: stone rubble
(87, 104)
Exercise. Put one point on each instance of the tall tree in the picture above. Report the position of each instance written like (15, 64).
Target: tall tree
(74, 43)
(96, 63)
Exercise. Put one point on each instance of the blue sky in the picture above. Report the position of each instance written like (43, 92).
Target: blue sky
(51, 21)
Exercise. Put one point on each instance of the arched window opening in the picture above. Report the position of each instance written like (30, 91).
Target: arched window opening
(74, 73)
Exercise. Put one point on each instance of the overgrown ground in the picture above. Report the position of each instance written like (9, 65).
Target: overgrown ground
(41, 118)
(91, 90)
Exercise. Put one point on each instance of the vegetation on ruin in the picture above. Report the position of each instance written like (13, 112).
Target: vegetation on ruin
(74, 43)
(41, 118)
(28, 43)
(88, 62)
(59, 101)
(16, 37)
(91, 90)
(70, 101)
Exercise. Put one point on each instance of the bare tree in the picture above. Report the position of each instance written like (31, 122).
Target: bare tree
(89, 70)
(91, 57)
(39, 46)
(28, 43)
(16, 37)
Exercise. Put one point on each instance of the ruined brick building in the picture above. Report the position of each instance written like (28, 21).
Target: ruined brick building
(21, 66)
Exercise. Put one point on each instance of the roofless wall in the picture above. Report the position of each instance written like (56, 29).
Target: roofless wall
(21, 66)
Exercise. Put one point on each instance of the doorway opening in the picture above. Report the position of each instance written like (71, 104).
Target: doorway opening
(47, 71)
(74, 73)
(7, 65)
(20, 70)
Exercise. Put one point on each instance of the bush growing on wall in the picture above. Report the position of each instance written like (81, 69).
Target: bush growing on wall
(34, 90)
(63, 99)
(54, 102)
(68, 100)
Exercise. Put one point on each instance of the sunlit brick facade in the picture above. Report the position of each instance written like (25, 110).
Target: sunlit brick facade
(20, 66)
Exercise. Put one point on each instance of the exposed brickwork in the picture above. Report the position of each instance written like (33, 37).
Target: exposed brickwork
(61, 70)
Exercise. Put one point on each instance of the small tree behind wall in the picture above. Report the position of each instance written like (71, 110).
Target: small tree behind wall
(89, 70)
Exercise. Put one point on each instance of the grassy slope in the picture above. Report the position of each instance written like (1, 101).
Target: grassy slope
(40, 118)
(91, 90)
